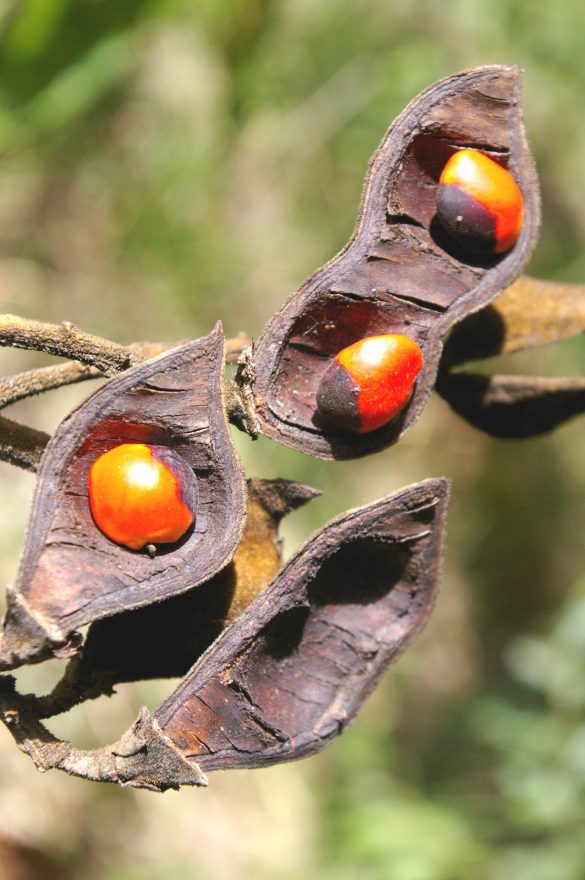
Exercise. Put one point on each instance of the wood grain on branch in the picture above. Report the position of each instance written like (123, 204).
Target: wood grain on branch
(20, 445)
(65, 340)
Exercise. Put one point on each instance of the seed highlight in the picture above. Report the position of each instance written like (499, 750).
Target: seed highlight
(142, 495)
(369, 383)
(479, 203)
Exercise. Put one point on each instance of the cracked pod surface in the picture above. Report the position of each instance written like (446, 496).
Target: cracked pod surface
(286, 678)
(400, 273)
(71, 574)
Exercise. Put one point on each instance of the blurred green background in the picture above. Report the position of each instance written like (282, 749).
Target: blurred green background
(165, 163)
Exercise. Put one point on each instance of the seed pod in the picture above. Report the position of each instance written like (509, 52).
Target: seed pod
(286, 678)
(513, 407)
(165, 639)
(529, 314)
(400, 273)
(72, 574)
(479, 203)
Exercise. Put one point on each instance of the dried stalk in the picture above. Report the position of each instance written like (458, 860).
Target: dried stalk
(31, 382)
(90, 357)
(66, 340)
(142, 758)
(20, 445)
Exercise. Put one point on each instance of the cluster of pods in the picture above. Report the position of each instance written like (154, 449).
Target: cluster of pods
(139, 520)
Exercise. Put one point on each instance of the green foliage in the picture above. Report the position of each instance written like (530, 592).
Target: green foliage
(509, 802)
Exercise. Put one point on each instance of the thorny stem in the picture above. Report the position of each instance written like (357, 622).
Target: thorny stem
(90, 357)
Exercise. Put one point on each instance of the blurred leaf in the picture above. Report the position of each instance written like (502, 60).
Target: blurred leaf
(34, 27)
(75, 91)
(407, 839)
(48, 36)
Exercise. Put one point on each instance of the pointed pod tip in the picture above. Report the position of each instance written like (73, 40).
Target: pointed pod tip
(146, 758)
(27, 638)
(280, 497)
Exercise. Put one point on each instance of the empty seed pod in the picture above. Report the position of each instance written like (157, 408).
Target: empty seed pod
(71, 572)
(400, 273)
(287, 677)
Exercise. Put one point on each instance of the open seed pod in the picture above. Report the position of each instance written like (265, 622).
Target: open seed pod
(400, 273)
(72, 574)
(165, 639)
(288, 675)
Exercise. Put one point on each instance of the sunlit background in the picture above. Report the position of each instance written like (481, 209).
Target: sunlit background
(164, 164)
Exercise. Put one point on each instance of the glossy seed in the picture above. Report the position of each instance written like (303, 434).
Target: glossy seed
(369, 383)
(479, 203)
(142, 495)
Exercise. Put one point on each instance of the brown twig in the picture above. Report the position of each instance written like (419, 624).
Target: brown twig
(30, 382)
(65, 340)
(90, 357)
(20, 445)
(142, 758)
(37, 381)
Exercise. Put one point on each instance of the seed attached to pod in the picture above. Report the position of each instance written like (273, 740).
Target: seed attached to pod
(369, 383)
(141, 495)
(479, 203)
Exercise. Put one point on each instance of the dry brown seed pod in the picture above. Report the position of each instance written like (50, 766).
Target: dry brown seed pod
(399, 273)
(287, 676)
(165, 639)
(529, 314)
(71, 574)
(513, 407)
